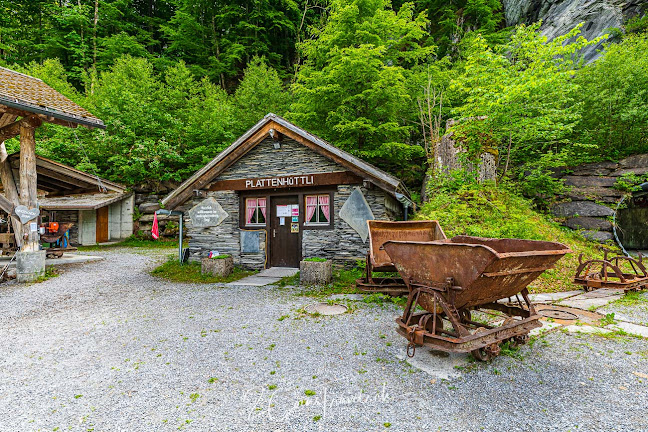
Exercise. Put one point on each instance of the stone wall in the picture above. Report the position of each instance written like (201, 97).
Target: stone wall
(343, 243)
(592, 197)
(449, 158)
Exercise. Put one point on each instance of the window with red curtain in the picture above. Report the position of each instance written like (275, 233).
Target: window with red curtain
(255, 211)
(318, 209)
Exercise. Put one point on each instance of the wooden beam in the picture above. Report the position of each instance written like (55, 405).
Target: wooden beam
(8, 182)
(6, 205)
(13, 129)
(279, 182)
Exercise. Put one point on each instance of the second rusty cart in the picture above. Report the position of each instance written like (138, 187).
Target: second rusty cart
(379, 262)
(451, 278)
(619, 272)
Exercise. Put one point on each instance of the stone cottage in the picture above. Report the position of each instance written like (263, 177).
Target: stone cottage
(280, 194)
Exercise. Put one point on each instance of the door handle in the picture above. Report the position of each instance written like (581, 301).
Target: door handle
(274, 233)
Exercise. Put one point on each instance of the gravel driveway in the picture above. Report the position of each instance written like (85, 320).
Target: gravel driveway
(106, 347)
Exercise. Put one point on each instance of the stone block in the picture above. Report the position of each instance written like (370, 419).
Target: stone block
(149, 207)
(595, 169)
(636, 171)
(635, 161)
(30, 265)
(598, 236)
(583, 180)
(589, 223)
(315, 272)
(594, 193)
(581, 208)
(217, 266)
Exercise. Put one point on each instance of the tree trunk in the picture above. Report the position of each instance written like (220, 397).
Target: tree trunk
(28, 189)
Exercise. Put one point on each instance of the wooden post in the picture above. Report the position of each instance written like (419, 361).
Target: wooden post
(8, 183)
(28, 188)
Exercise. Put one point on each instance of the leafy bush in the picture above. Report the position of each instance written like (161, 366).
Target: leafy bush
(498, 212)
(316, 259)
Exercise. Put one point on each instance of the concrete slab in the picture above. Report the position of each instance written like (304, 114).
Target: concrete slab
(278, 272)
(352, 297)
(586, 329)
(552, 297)
(438, 364)
(255, 280)
(67, 258)
(546, 326)
(266, 277)
(631, 328)
(592, 299)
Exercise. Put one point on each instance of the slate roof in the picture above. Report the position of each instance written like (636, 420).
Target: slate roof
(26, 93)
(81, 201)
(384, 180)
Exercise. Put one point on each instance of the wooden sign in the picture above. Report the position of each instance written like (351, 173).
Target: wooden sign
(324, 179)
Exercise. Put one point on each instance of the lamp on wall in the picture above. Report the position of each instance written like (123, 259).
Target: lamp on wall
(276, 138)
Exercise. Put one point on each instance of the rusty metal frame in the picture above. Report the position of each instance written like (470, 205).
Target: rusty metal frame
(610, 274)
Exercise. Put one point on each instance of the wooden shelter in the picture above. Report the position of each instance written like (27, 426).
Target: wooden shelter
(100, 210)
(25, 103)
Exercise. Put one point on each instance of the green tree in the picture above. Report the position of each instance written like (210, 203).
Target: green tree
(520, 100)
(615, 95)
(260, 91)
(354, 86)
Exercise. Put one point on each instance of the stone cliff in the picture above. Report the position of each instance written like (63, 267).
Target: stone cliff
(560, 16)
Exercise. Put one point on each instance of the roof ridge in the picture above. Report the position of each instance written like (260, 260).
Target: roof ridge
(23, 74)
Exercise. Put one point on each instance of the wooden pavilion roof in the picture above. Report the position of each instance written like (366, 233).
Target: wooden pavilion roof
(23, 95)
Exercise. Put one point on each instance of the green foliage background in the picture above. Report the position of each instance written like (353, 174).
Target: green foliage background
(176, 81)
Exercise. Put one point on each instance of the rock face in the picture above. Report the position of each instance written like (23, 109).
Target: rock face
(581, 208)
(594, 193)
(560, 16)
(589, 223)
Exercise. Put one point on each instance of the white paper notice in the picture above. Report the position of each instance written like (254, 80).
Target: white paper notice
(283, 210)
(282, 221)
(33, 226)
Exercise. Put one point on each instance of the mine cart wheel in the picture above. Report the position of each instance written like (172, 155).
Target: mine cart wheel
(487, 353)
(465, 315)
(521, 339)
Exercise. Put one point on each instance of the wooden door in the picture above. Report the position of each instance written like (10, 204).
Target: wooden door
(102, 224)
(285, 247)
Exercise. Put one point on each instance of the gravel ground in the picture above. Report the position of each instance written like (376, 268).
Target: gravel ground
(106, 347)
(636, 312)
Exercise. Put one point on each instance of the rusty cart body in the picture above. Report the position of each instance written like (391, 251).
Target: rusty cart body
(379, 261)
(619, 272)
(58, 236)
(451, 278)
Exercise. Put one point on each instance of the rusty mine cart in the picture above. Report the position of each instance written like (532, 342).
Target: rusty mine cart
(378, 260)
(451, 278)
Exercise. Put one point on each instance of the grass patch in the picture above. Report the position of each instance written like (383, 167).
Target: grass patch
(50, 272)
(632, 298)
(190, 272)
(289, 281)
(344, 280)
(491, 211)
(316, 259)
(135, 242)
